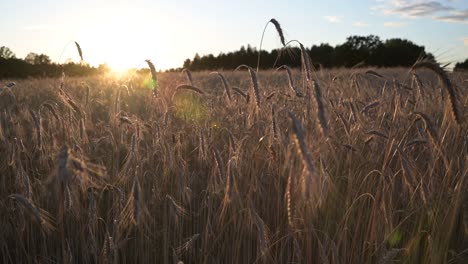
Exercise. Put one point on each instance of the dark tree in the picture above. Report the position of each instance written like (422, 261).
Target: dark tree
(34, 58)
(461, 66)
(323, 55)
(356, 49)
(397, 52)
(187, 64)
(6, 53)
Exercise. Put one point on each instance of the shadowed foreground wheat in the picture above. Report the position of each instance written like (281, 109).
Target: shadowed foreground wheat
(365, 168)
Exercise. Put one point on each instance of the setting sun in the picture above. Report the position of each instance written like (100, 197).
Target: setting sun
(117, 39)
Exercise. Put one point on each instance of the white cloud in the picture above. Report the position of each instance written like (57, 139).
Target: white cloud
(332, 19)
(465, 41)
(360, 24)
(436, 10)
(393, 24)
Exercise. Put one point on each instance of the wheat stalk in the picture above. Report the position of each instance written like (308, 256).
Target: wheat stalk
(369, 106)
(290, 201)
(40, 216)
(80, 51)
(263, 237)
(187, 245)
(274, 127)
(136, 199)
(153, 76)
(237, 90)
(225, 84)
(290, 81)
(218, 161)
(320, 108)
(254, 82)
(377, 133)
(443, 76)
(37, 124)
(189, 87)
(175, 210)
(299, 135)
(280, 34)
(51, 108)
(306, 64)
(189, 76)
(374, 73)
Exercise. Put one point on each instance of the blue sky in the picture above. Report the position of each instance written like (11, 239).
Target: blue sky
(125, 33)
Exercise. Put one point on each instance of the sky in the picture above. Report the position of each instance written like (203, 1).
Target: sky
(125, 33)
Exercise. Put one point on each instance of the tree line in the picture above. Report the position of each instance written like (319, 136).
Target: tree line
(40, 65)
(369, 50)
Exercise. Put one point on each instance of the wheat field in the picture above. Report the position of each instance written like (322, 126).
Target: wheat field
(349, 166)
(353, 165)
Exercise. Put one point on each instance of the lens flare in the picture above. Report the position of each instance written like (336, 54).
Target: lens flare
(190, 108)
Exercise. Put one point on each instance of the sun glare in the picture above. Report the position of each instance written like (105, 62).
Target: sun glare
(120, 37)
(120, 67)
(119, 72)
(117, 40)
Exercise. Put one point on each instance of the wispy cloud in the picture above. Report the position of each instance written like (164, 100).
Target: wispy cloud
(332, 19)
(36, 27)
(465, 41)
(415, 10)
(393, 24)
(436, 10)
(360, 24)
(454, 17)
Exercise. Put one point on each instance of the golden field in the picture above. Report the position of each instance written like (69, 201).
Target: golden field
(354, 166)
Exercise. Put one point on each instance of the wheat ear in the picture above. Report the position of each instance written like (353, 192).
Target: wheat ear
(254, 82)
(279, 29)
(443, 76)
(80, 51)
(225, 84)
